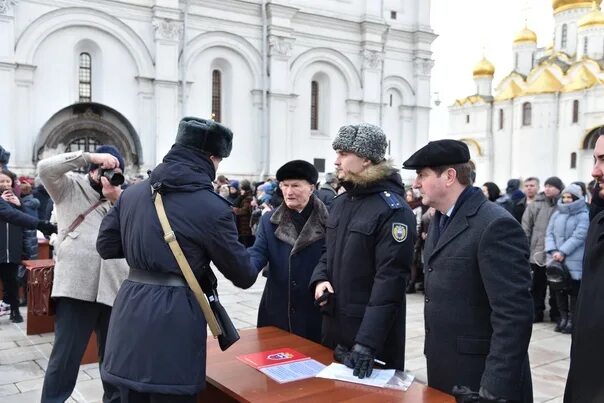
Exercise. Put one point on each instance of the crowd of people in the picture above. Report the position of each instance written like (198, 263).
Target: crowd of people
(339, 257)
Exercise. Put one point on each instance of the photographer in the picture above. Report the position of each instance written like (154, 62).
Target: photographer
(84, 286)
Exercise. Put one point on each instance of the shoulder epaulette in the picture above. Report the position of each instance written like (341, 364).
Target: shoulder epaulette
(391, 200)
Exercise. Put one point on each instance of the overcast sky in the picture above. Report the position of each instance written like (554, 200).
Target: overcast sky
(466, 30)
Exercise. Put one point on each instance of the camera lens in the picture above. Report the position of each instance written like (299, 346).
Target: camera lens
(115, 178)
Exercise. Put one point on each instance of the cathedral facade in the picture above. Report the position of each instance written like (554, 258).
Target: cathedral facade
(544, 117)
(284, 75)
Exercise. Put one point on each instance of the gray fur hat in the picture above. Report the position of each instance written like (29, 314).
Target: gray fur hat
(365, 140)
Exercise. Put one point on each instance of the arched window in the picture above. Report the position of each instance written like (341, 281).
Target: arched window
(575, 111)
(526, 114)
(314, 105)
(87, 144)
(585, 44)
(573, 160)
(564, 38)
(500, 118)
(516, 61)
(467, 119)
(85, 78)
(216, 95)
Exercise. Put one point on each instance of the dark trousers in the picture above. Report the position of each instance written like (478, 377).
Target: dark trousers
(131, 396)
(74, 322)
(562, 298)
(539, 291)
(8, 274)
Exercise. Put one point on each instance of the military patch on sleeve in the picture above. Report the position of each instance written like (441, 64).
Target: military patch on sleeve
(399, 231)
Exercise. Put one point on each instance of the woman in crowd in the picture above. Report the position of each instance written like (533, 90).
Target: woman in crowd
(565, 242)
(11, 238)
(491, 191)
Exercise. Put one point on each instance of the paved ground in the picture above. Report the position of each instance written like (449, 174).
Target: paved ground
(23, 359)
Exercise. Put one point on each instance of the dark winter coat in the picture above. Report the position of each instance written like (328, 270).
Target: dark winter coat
(11, 238)
(12, 215)
(478, 307)
(30, 206)
(243, 212)
(45, 208)
(369, 251)
(286, 302)
(157, 334)
(585, 383)
(326, 194)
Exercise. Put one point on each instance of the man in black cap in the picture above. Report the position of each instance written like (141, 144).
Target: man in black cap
(156, 346)
(478, 308)
(291, 239)
(369, 249)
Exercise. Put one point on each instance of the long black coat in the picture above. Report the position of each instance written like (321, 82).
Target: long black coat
(585, 382)
(286, 302)
(369, 250)
(157, 334)
(11, 232)
(478, 307)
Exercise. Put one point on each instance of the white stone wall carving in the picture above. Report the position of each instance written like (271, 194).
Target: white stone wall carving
(167, 29)
(281, 46)
(372, 59)
(5, 5)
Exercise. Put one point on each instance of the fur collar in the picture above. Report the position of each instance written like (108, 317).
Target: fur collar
(313, 230)
(373, 173)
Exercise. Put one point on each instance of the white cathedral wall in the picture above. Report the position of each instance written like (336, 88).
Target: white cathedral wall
(534, 150)
(502, 142)
(56, 77)
(238, 112)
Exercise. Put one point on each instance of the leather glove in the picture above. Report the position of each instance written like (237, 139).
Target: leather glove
(463, 394)
(46, 227)
(361, 358)
(342, 354)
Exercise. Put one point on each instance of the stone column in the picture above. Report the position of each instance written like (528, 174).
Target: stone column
(146, 128)
(23, 130)
(168, 29)
(422, 69)
(372, 59)
(280, 42)
(7, 77)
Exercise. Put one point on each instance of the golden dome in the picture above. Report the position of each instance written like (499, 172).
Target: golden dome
(526, 36)
(484, 68)
(595, 18)
(562, 5)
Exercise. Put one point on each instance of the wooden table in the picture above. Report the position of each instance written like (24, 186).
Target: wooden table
(230, 380)
(46, 324)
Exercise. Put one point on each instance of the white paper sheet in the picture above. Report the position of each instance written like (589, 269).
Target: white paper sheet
(340, 372)
(293, 371)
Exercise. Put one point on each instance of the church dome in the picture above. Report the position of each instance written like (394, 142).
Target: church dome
(561, 5)
(526, 36)
(484, 68)
(595, 18)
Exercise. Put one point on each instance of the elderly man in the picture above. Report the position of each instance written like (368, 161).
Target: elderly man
(584, 384)
(369, 250)
(478, 308)
(290, 239)
(84, 285)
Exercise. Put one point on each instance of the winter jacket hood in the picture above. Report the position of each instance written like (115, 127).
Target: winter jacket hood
(183, 170)
(374, 179)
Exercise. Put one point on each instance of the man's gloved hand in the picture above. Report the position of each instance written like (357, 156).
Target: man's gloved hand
(463, 394)
(361, 358)
(487, 397)
(342, 354)
(46, 227)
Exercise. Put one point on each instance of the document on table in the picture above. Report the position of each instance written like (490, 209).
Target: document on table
(339, 372)
(293, 371)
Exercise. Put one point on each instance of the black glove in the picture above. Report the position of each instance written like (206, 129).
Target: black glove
(46, 227)
(342, 354)
(463, 394)
(361, 358)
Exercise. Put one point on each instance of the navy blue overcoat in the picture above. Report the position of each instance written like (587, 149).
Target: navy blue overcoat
(157, 334)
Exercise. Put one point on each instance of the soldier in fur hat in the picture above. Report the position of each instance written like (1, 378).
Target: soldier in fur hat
(360, 279)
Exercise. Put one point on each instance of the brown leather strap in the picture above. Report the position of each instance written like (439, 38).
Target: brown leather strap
(181, 259)
(80, 218)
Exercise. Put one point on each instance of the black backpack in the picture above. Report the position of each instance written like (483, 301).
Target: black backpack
(558, 276)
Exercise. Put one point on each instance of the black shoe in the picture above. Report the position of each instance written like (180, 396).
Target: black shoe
(561, 324)
(15, 316)
(410, 288)
(538, 318)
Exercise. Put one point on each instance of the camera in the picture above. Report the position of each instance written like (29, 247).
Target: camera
(115, 178)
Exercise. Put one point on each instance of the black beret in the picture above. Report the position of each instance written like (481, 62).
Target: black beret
(298, 169)
(205, 135)
(439, 153)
